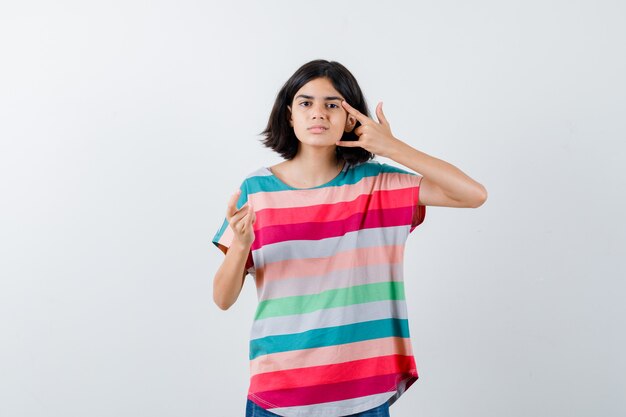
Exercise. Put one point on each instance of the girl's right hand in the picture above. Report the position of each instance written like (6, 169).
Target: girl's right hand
(241, 220)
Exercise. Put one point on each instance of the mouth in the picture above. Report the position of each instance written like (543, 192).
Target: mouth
(317, 129)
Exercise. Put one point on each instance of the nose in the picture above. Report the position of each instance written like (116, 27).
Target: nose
(319, 111)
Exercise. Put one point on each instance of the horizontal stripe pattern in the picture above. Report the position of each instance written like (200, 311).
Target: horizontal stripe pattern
(308, 282)
(295, 359)
(330, 335)
(341, 260)
(330, 374)
(329, 317)
(335, 408)
(300, 304)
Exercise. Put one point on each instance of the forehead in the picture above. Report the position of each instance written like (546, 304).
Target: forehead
(318, 88)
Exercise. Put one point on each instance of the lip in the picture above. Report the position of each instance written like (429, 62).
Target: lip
(317, 129)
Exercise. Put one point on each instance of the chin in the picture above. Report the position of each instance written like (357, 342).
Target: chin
(318, 140)
(324, 143)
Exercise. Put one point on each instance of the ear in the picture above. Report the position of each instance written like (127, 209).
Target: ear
(350, 123)
(290, 118)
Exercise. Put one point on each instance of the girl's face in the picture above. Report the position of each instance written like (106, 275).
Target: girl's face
(316, 114)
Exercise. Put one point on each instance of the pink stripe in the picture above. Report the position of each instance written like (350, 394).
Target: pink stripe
(315, 231)
(352, 381)
(337, 211)
(305, 267)
(331, 354)
(348, 192)
(333, 392)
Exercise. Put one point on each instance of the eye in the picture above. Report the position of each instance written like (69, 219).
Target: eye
(306, 103)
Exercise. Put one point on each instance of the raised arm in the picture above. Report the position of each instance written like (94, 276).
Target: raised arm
(443, 184)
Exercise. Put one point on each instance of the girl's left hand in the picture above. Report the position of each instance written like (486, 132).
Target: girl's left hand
(374, 137)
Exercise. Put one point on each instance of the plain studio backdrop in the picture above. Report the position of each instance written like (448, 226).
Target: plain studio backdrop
(125, 126)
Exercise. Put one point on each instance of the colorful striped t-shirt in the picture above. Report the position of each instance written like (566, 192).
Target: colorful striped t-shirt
(330, 336)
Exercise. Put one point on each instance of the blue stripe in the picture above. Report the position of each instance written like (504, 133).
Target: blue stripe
(330, 336)
(353, 175)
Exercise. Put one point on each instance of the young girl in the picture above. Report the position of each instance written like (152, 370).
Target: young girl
(323, 235)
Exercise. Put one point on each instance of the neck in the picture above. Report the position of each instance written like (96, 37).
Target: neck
(314, 166)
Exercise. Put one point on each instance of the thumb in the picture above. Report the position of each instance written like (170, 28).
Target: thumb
(252, 215)
(381, 116)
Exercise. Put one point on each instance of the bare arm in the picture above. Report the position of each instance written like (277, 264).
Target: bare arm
(443, 184)
(229, 278)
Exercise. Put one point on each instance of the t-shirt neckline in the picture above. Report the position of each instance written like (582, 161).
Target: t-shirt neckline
(327, 184)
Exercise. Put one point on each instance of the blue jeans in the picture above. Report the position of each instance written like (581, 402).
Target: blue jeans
(253, 410)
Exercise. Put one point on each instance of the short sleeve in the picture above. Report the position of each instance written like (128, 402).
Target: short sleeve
(411, 182)
(419, 211)
(224, 235)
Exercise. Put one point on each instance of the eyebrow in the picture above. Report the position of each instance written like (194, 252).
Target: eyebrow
(325, 98)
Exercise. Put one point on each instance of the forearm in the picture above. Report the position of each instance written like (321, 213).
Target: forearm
(229, 278)
(454, 182)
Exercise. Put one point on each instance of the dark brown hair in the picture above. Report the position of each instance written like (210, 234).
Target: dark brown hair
(280, 136)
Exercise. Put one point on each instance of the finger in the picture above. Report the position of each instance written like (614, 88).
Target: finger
(232, 203)
(236, 226)
(252, 214)
(237, 211)
(250, 218)
(359, 116)
(238, 216)
(381, 116)
(245, 222)
(242, 224)
(348, 143)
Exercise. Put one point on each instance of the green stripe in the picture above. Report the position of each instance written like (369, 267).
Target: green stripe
(341, 297)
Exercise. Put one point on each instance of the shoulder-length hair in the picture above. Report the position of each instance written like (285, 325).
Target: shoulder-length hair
(280, 136)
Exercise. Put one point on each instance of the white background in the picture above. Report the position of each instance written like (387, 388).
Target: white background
(126, 125)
